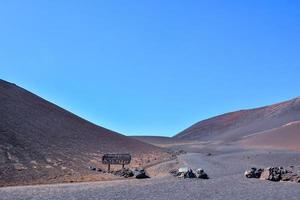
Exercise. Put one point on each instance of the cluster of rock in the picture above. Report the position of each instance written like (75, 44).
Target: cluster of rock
(138, 173)
(273, 174)
(185, 172)
(126, 173)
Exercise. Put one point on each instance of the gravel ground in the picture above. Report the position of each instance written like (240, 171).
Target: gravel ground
(226, 182)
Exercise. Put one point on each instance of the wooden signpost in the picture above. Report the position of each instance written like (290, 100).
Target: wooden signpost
(116, 159)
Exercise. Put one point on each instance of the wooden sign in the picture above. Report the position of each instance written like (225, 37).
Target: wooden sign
(116, 159)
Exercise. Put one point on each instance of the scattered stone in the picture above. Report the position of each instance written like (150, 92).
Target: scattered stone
(33, 162)
(19, 167)
(92, 168)
(177, 152)
(96, 169)
(100, 170)
(174, 172)
(12, 157)
(181, 151)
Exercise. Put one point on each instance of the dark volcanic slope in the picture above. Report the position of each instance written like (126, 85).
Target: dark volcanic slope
(40, 141)
(234, 126)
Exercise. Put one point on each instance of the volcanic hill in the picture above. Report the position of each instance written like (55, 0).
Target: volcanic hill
(274, 126)
(43, 143)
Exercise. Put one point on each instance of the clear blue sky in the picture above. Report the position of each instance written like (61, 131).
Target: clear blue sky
(152, 67)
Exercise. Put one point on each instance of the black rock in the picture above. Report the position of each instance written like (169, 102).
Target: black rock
(140, 173)
(201, 174)
(189, 174)
(126, 173)
(253, 173)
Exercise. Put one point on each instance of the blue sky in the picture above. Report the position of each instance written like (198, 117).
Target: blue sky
(152, 67)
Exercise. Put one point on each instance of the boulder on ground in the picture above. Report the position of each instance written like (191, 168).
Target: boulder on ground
(273, 173)
(253, 173)
(269, 174)
(201, 174)
(183, 170)
(140, 173)
(189, 174)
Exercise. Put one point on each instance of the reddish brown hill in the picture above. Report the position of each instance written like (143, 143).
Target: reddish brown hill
(41, 142)
(284, 137)
(234, 126)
